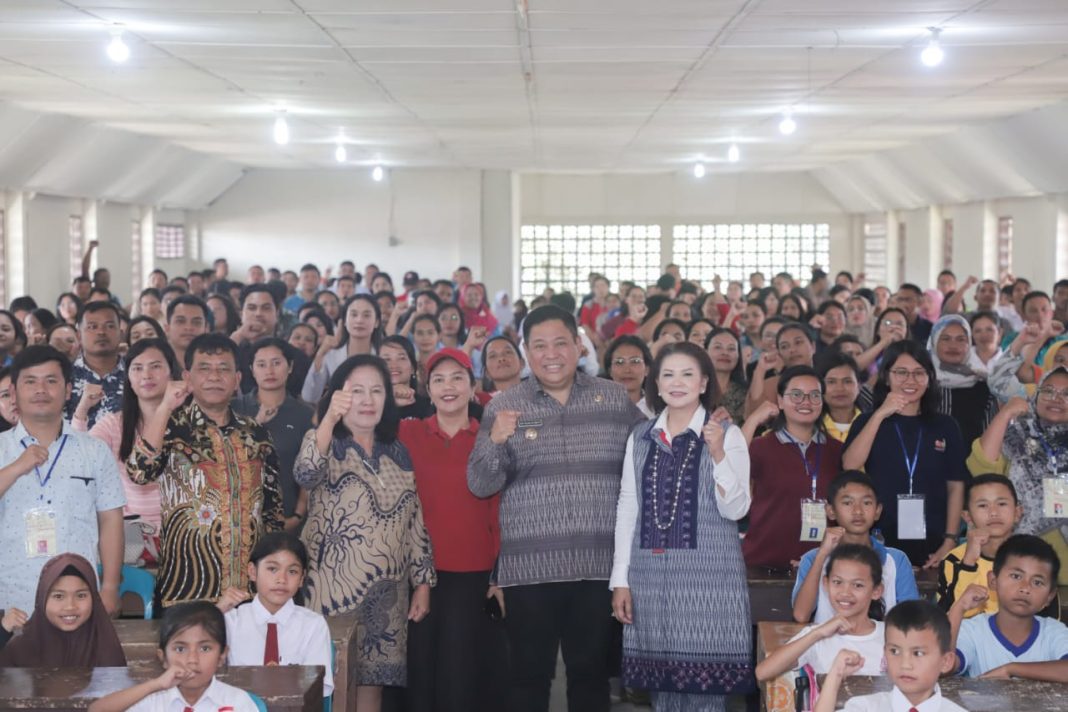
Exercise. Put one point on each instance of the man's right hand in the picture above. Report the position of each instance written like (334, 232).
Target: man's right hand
(504, 426)
(32, 457)
(175, 395)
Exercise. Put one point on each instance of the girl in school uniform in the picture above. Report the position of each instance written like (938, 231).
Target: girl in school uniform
(69, 626)
(272, 629)
(192, 647)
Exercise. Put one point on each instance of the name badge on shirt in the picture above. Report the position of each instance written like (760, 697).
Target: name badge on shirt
(530, 427)
(40, 533)
(813, 519)
(1054, 498)
(911, 523)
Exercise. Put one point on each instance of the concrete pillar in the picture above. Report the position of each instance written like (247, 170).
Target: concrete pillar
(500, 232)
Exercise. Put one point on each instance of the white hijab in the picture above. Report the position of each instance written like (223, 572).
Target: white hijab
(956, 375)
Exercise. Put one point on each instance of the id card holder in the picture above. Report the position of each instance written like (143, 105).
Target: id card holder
(911, 523)
(813, 519)
(40, 533)
(1054, 498)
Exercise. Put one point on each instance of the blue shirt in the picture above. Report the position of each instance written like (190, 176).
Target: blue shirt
(84, 481)
(981, 647)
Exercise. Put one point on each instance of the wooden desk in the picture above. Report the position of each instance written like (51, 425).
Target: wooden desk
(285, 689)
(769, 591)
(140, 641)
(975, 695)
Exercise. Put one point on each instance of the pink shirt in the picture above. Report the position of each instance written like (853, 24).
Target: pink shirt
(142, 500)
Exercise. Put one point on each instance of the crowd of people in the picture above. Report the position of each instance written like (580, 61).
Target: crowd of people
(488, 484)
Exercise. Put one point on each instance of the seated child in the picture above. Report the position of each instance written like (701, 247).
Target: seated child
(12, 621)
(70, 626)
(854, 584)
(918, 652)
(301, 637)
(1015, 641)
(192, 647)
(991, 511)
(854, 506)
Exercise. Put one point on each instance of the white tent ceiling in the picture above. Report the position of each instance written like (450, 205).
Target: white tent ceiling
(551, 85)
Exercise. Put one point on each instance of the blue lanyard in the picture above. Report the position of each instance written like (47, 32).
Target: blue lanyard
(59, 454)
(813, 473)
(910, 462)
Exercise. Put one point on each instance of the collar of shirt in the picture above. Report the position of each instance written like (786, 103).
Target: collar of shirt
(832, 427)
(696, 424)
(197, 416)
(209, 700)
(784, 437)
(434, 427)
(79, 363)
(582, 380)
(24, 437)
(900, 703)
(263, 616)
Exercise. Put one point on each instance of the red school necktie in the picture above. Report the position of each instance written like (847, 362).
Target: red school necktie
(913, 709)
(270, 650)
(188, 709)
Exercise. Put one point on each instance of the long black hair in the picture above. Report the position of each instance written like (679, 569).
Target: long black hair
(461, 333)
(405, 345)
(386, 430)
(907, 347)
(131, 406)
(738, 372)
(343, 332)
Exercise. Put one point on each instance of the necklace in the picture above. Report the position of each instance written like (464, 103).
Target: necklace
(678, 485)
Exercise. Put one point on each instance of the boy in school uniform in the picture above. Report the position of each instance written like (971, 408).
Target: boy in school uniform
(854, 506)
(992, 512)
(1015, 641)
(918, 651)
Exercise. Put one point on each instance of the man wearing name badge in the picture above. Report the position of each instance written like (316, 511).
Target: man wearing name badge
(553, 446)
(60, 490)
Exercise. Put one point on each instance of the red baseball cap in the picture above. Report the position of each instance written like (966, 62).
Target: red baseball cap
(456, 355)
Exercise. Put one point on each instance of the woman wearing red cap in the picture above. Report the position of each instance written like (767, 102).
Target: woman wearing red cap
(454, 653)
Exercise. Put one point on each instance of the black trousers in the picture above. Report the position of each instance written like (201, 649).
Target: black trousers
(457, 656)
(543, 618)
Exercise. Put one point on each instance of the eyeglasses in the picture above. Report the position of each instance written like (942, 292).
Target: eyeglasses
(1049, 393)
(798, 397)
(450, 317)
(633, 361)
(903, 374)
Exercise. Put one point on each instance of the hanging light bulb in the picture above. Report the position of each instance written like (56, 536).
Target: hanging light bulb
(699, 170)
(340, 154)
(734, 154)
(281, 129)
(377, 174)
(933, 54)
(787, 126)
(118, 51)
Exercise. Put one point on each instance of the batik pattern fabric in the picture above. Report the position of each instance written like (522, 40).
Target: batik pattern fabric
(219, 494)
(691, 631)
(367, 546)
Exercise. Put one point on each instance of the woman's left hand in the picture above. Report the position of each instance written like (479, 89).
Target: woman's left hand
(420, 605)
(935, 559)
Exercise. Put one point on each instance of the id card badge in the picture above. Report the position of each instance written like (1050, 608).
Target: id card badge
(40, 533)
(1054, 498)
(911, 523)
(813, 519)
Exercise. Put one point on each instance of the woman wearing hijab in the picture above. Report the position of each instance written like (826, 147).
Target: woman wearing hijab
(70, 626)
(931, 305)
(963, 393)
(502, 309)
(476, 310)
(1028, 442)
(1004, 377)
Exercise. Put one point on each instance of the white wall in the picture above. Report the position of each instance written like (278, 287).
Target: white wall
(284, 218)
(48, 263)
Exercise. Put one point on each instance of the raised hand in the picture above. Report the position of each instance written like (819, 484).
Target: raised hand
(847, 663)
(894, 403)
(504, 426)
(174, 395)
(231, 599)
(91, 397)
(340, 403)
(14, 619)
(831, 538)
(974, 596)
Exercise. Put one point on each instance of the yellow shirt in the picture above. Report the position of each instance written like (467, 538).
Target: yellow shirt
(834, 431)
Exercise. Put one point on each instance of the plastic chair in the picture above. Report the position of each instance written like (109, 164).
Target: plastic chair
(138, 582)
(258, 701)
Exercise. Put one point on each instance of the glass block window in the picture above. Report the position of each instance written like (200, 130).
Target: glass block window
(75, 233)
(170, 241)
(1004, 245)
(735, 250)
(562, 256)
(875, 252)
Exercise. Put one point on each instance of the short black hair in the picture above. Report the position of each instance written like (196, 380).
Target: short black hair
(791, 325)
(1029, 546)
(385, 294)
(912, 288)
(918, 615)
(211, 343)
(984, 314)
(269, 342)
(35, 356)
(564, 300)
(838, 289)
(659, 330)
(256, 288)
(549, 312)
(989, 478)
(907, 347)
(24, 303)
(1035, 294)
(1060, 283)
(309, 267)
(279, 541)
(850, 477)
(190, 300)
(172, 289)
(844, 273)
(758, 304)
(829, 304)
(947, 273)
(93, 307)
(666, 282)
(711, 395)
(183, 616)
(831, 359)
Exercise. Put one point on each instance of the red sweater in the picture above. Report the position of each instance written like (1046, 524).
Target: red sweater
(779, 484)
(463, 528)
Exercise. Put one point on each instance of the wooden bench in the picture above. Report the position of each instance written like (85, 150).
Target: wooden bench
(140, 641)
(289, 688)
(975, 695)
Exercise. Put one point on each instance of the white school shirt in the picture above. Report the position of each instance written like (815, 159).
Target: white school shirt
(303, 637)
(218, 697)
(732, 474)
(823, 652)
(895, 701)
(981, 647)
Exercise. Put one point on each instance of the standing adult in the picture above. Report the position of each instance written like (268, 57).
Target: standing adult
(97, 374)
(553, 446)
(187, 318)
(59, 489)
(217, 473)
(359, 333)
(685, 485)
(368, 545)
